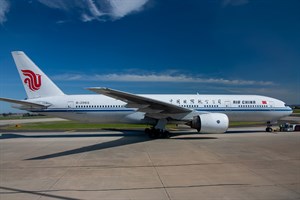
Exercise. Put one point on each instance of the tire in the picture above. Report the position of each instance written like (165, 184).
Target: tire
(269, 129)
(147, 131)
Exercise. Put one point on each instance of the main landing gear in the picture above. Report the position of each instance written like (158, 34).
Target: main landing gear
(158, 131)
(154, 133)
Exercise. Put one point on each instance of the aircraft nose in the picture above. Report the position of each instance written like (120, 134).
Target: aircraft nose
(291, 110)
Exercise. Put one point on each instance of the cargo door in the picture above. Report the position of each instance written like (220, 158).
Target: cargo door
(227, 104)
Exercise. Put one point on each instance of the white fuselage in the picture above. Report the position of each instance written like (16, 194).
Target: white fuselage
(103, 109)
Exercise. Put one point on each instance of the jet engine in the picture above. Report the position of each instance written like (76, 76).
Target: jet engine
(210, 123)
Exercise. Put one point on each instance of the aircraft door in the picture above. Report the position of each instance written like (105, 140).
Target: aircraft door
(227, 104)
(70, 105)
(271, 105)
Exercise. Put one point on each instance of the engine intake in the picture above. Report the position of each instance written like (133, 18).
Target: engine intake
(210, 123)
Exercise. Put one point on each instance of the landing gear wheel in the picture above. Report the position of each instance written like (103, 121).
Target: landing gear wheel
(165, 134)
(269, 129)
(152, 133)
(147, 131)
(156, 133)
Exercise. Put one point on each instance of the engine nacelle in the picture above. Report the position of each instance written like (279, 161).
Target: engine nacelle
(210, 123)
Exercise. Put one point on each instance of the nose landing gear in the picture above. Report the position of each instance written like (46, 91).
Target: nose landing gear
(269, 127)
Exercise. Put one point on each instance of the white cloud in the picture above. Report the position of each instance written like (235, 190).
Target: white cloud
(58, 4)
(120, 8)
(93, 8)
(4, 8)
(157, 78)
(88, 10)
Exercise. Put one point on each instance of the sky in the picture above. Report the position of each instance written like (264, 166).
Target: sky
(155, 46)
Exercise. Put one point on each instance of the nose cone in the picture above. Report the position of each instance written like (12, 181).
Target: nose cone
(287, 110)
(290, 110)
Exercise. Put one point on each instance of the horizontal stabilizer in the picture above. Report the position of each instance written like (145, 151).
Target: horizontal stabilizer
(25, 103)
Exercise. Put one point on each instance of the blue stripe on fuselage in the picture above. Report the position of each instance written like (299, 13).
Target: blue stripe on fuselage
(197, 109)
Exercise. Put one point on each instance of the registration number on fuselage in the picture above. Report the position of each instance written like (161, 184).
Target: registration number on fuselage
(82, 102)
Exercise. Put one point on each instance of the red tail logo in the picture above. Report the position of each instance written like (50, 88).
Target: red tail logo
(33, 80)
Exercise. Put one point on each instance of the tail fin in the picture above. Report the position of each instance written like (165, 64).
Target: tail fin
(36, 83)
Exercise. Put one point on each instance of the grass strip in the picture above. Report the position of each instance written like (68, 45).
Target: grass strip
(296, 111)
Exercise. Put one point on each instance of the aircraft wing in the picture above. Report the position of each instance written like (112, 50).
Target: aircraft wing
(150, 106)
(25, 103)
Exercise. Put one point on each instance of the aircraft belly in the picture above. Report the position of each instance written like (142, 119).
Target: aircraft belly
(254, 116)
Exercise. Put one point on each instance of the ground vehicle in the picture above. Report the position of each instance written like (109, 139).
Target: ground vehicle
(287, 127)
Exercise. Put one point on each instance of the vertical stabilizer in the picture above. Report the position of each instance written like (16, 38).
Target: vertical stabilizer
(36, 83)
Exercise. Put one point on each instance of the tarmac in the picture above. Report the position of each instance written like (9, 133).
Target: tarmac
(245, 163)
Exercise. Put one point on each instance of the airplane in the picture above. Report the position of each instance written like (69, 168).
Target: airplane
(205, 113)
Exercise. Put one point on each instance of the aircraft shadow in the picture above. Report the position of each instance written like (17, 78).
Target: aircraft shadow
(245, 131)
(40, 194)
(127, 137)
(68, 135)
(191, 136)
(194, 138)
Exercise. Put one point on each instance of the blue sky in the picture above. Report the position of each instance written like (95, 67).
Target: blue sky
(152, 46)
